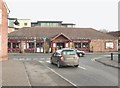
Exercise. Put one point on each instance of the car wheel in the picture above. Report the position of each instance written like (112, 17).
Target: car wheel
(80, 54)
(58, 64)
(76, 65)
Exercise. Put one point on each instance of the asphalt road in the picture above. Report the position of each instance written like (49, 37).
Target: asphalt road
(89, 73)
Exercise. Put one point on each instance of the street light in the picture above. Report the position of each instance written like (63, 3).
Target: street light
(44, 39)
(16, 22)
(34, 44)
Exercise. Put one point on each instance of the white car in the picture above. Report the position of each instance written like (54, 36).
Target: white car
(80, 53)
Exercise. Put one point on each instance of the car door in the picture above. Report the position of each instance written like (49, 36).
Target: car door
(53, 57)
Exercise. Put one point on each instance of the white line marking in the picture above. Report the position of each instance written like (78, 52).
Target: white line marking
(41, 61)
(48, 61)
(59, 75)
(82, 67)
(95, 58)
(62, 76)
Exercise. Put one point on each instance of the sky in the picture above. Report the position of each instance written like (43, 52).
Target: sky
(97, 14)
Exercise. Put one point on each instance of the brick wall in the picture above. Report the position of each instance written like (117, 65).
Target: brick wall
(100, 45)
(4, 31)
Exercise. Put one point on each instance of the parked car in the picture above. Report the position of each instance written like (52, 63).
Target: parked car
(80, 53)
(65, 57)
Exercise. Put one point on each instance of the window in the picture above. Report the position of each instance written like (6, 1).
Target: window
(43, 24)
(68, 52)
(77, 45)
(9, 45)
(31, 45)
(25, 24)
(39, 44)
(109, 45)
(16, 45)
(55, 24)
(85, 45)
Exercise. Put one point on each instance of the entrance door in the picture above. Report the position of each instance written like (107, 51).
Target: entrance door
(60, 45)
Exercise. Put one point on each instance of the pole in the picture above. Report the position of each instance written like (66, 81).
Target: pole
(118, 57)
(44, 44)
(34, 44)
(111, 56)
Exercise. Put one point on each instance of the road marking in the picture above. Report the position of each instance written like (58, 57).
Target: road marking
(82, 67)
(48, 61)
(78, 66)
(41, 61)
(62, 77)
(58, 74)
(95, 58)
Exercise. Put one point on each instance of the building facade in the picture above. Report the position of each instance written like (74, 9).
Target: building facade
(52, 24)
(38, 39)
(116, 34)
(4, 11)
(21, 24)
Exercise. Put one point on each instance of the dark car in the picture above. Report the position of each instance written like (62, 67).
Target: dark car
(65, 57)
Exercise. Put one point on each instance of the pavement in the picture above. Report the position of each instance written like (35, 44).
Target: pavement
(14, 74)
(23, 74)
(106, 60)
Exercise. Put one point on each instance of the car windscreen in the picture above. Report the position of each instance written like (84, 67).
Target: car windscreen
(68, 52)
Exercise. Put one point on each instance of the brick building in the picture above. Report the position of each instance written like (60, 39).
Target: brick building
(4, 11)
(34, 39)
(116, 34)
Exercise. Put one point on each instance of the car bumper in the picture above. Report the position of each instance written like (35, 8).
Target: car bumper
(65, 63)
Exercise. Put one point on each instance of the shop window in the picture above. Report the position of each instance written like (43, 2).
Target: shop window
(16, 45)
(39, 44)
(9, 45)
(77, 45)
(31, 45)
(85, 45)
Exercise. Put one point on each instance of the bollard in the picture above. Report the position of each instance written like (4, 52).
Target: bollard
(111, 56)
(118, 57)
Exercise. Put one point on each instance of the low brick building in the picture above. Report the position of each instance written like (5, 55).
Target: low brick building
(35, 39)
(116, 34)
(4, 11)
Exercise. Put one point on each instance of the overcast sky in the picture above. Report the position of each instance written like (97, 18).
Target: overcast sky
(97, 14)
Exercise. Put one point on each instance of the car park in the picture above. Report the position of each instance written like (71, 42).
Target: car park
(65, 57)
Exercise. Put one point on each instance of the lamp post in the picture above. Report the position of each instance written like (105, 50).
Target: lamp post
(35, 44)
(44, 39)
(16, 22)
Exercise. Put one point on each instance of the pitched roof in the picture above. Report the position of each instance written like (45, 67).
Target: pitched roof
(60, 35)
(115, 33)
(72, 33)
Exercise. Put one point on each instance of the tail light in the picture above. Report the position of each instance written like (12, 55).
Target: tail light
(62, 58)
(77, 57)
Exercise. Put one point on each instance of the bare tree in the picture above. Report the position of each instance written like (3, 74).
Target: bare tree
(104, 30)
